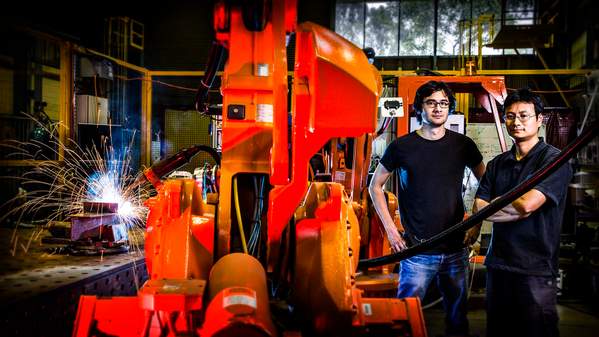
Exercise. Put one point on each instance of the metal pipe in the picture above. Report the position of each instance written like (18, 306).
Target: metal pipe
(557, 86)
(493, 207)
(497, 121)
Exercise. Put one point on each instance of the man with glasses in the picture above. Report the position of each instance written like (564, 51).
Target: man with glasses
(523, 255)
(430, 163)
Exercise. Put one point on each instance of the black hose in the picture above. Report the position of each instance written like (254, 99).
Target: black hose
(215, 60)
(211, 151)
(584, 138)
(384, 127)
(255, 14)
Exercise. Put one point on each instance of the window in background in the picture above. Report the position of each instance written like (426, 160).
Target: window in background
(406, 27)
(450, 13)
(382, 26)
(349, 21)
(480, 8)
(416, 27)
(519, 12)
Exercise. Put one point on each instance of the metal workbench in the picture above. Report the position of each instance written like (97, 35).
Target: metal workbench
(40, 289)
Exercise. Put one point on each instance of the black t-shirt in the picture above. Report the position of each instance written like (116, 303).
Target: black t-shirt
(430, 184)
(531, 245)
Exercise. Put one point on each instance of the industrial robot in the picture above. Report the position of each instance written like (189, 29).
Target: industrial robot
(274, 250)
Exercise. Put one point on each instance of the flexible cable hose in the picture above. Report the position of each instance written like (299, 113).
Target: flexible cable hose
(216, 56)
(238, 213)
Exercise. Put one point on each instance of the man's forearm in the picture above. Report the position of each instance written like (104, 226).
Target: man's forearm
(380, 205)
(510, 209)
(396, 242)
(506, 214)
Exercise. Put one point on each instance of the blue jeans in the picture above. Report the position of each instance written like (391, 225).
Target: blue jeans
(451, 274)
(527, 302)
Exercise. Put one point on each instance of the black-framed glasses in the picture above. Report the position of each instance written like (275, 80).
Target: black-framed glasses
(431, 103)
(521, 117)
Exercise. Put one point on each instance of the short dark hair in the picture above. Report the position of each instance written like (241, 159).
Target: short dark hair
(428, 89)
(524, 95)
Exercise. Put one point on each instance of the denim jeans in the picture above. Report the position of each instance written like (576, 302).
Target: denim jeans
(521, 305)
(451, 274)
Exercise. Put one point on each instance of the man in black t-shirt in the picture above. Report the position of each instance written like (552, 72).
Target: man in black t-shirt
(430, 163)
(523, 255)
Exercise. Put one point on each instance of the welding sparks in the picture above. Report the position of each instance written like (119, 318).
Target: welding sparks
(56, 189)
(111, 187)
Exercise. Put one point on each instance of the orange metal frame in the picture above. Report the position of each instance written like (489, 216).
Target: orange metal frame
(322, 110)
(246, 143)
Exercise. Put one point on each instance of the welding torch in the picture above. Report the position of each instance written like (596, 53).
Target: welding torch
(159, 170)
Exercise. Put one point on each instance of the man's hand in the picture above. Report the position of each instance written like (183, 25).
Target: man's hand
(472, 235)
(379, 202)
(396, 242)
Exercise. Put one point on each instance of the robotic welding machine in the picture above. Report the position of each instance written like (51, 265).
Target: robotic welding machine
(270, 254)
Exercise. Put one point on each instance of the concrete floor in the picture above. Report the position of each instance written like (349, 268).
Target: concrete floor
(573, 323)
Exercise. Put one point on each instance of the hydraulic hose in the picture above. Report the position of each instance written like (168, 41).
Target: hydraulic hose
(238, 214)
(215, 60)
(583, 139)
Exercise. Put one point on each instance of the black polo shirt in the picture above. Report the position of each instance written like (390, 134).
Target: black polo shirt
(531, 245)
